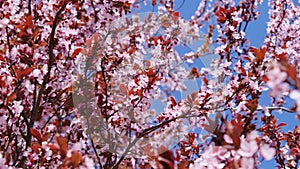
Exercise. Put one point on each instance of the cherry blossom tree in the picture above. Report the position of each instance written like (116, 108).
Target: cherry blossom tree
(78, 79)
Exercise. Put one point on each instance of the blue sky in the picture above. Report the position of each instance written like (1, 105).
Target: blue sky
(255, 33)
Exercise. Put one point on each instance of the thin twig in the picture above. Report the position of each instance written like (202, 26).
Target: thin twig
(276, 108)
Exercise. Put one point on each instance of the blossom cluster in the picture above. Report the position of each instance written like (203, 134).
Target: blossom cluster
(78, 79)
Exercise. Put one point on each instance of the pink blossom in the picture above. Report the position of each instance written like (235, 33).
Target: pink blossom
(211, 158)
(295, 94)
(248, 148)
(247, 163)
(36, 73)
(2, 162)
(3, 22)
(248, 145)
(228, 139)
(18, 108)
(267, 152)
(276, 81)
(89, 163)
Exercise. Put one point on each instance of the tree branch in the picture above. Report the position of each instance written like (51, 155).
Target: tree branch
(29, 7)
(276, 108)
(144, 133)
(50, 63)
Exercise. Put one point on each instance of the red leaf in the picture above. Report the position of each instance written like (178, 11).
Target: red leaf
(131, 50)
(239, 118)
(131, 92)
(52, 147)
(123, 89)
(292, 72)
(221, 11)
(259, 53)
(166, 159)
(139, 92)
(76, 52)
(231, 10)
(175, 16)
(75, 159)
(153, 2)
(28, 21)
(265, 78)
(23, 72)
(2, 58)
(234, 23)
(63, 145)
(294, 151)
(262, 53)
(151, 72)
(183, 165)
(281, 57)
(35, 133)
(235, 136)
(205, 80)
(281, 124)
(222, 19)
(194, 73)
(243, 71)
(252, 104)
(173, 101)
(35, 146)
(11, 97)
(45, 137)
